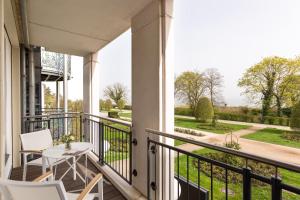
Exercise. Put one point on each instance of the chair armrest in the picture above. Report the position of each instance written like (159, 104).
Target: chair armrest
(89, 187)
(31, 152)
(43, 177)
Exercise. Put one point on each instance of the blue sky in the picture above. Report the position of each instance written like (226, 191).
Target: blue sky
(229, 35)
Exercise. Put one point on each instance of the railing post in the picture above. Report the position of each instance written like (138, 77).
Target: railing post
(130, 156)
(246, 183)
(276, 188)
(101, 144)
(80, 127)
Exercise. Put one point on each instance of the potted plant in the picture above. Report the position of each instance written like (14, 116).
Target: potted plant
(67, 139)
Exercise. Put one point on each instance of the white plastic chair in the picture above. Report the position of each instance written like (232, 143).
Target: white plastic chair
(52, 190)
(34, 143)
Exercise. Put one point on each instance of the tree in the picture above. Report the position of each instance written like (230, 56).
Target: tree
(286, 81)
(190, 87)
(121, 104)
(116, 92)
(204, 109)
(105, 104)
(258, 82)
(50, 99)
(214, 82)
(295, 117)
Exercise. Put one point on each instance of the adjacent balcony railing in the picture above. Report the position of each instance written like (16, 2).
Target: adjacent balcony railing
(53, 63)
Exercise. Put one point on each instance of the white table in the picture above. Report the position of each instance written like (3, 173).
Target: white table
(59, 152)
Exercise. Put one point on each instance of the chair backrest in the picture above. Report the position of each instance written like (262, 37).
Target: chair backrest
(21, 190)
(38, 140)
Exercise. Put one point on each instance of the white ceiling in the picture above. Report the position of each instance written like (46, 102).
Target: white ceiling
(79, 27)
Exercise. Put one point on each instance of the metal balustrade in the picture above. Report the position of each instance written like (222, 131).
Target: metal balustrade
(192, 175)
(112, 139)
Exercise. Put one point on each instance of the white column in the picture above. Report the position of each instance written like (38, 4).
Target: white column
(2, 93)
(16, 105)
(152, 84)
(66, 92)
(91, 84)
(57, 94)
(42, 96)
(91, 93)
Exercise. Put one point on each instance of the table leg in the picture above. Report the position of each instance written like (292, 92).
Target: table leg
(74, 168)
(44, 164)
(85, 169)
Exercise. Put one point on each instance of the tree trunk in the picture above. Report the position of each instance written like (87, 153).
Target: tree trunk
(278, 105)
(266, 104)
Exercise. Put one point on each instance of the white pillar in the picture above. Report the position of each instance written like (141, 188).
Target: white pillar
(57, 95)
(42, 96)
(91, 93)
(2, 92)
(152, 83)
(16, 106)
(31, 76)
(66, 91)
(91, 84)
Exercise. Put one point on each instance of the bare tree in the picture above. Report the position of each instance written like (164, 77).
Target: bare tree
(214, 83)
(116, 92)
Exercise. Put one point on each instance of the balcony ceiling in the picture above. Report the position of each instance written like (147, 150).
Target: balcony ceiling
(79, 27)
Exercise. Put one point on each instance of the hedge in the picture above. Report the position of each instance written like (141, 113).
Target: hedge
(254, 119)
(184, 111)
(113, 114)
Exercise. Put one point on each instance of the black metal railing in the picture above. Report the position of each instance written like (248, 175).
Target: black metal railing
(58, 123)
(111, 138)
(215, 172)
(112, 143)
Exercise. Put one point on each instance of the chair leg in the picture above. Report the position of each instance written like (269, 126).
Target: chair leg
(24, 172)
(100, 189)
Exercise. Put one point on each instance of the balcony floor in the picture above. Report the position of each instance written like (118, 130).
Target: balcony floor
(110, 192)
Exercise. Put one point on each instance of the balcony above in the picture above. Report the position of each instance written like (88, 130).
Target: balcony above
(53, 65)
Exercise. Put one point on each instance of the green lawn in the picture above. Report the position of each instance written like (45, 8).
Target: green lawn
(258, 192)
(221, 128)
(273, 136)
(125, 114)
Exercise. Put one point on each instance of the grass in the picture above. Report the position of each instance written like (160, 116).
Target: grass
(178, 142)
(125, 114)
(221, 128)
(258, 192)
(274, 136)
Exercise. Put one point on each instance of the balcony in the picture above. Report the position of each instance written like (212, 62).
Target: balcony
(53, 65)
(138, 159)
(189, 175)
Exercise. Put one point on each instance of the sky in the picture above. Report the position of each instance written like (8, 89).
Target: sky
(229, 35)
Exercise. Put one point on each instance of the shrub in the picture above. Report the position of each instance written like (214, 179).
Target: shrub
(121, 104)
(184, 111)
(286, 111)
(204, 110)
(245, 110)
(292, 136)
(295, 116)
(113, 114)
(106, 105)
(128, 107)
(188, 131)
(255, 111)
(270, 120)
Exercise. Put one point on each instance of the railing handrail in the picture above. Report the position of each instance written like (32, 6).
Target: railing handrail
(276, 163)
(50, 114)
(125, 123)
